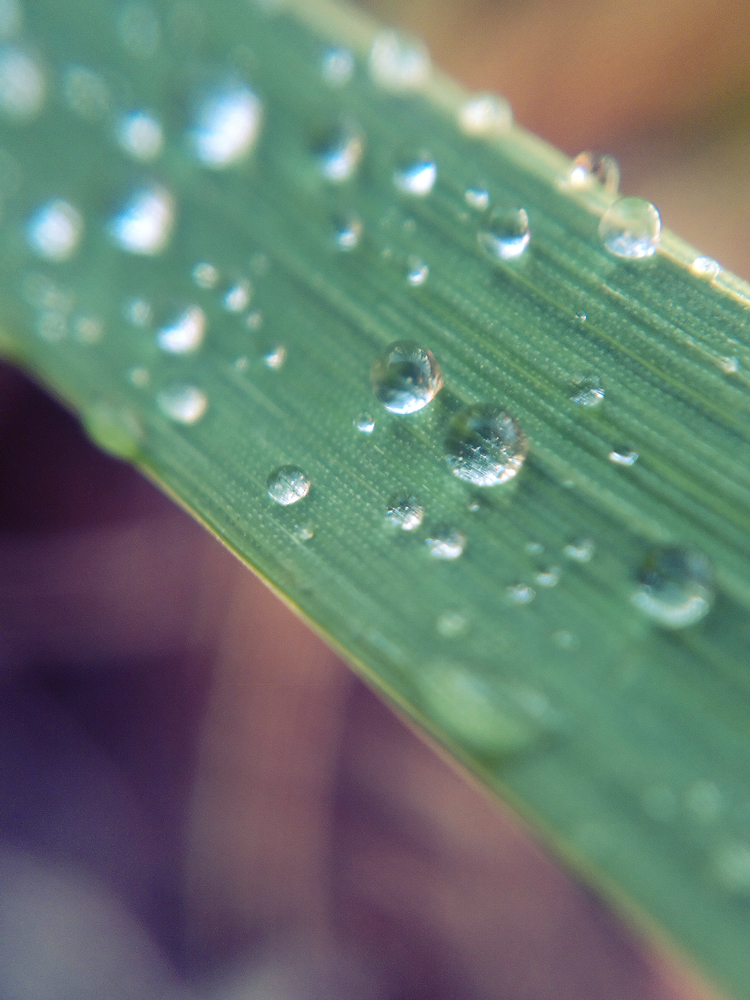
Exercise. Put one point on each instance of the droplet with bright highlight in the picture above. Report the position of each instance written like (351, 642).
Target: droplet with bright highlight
(580, 550)
(588, 391)
(416, 177)
(340, 153)
(485, 446)
(631, 228)
(144, 224)
(185, 333)
(675, 587)
(22, 85)
(405, 512)
(485, 115)
(347, 232)
(406, 377)
(185, 404)
(589, 168)
(417, 271)
(706, 267)
(237, 297)
(205, 275)
(338, 66)
(623, 456)
(55, 230)
(364, 423)
(398, 63)
(504, 233)
(140, 136)
(288, 484)
(446, 543)
(227, 125)
(477, 197)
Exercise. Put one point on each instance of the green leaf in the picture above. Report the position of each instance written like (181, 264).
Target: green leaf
(586, 653)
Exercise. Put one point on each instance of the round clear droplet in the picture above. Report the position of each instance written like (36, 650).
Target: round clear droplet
(144, 225)
(205, 275)
(589, 168)
(405, 512)
(675, 587)
(631, 227)
(340, 153)
(417, 271)
(485, 115)
(184, 333)
(304, 532)
(706, 267)
(399, 63)
(445, 543)
(406, 377)
(140, 135)
(288, 484)
(55, 230)
(485, 446)
(237, 296)
(185, 404)
(588, 390)
(227, 125)
(504, 233)
(416, 177)
(364, 423)
(274, 357)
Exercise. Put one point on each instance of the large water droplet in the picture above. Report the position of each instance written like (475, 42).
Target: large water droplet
(144, 225)
(398, 63)
(485, 115)
(227, 126)
(406, 377)
(485, 446)
(588, 391)
(341, 153)
(185, 332)
(55, 230)
(22, 86)
(288, 484)
(184, 404)
(706, 267)
(504, 233)
(417, 177)
(589, 168)
(631, 227)
(405, 511)
(337, 67)
(445, 543)
(140, 135)
(675, 587)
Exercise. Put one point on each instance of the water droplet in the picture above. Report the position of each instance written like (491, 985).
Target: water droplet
(138, 312)
(478, 198)
(227, 126)
(338, 67)
(88, 329)
(185, 332)
(237, 297)
(521, 593)
(364, 423)
(85, 93)
(485, 446)
(451, 624)
(623, 456)
(241, 364)
(140, 135)
(144, 225)
(205, 275)
(706, 267)
(347, 232)
(485, 115)
(55, 230)
(703, 799)
(675, 587)
(580, 550)
(631, 227)
(185, 404)
(417, 177)
(114, 428)
(22, 87)
(445, 543)
(52, 326)
(729, 365)
(341, 153)
(274, 357)
(548, 577)
(504, 233)
(588, 391)
(731, 866)
(304, 532)
(406, 377)
(405, 512)
(288, 484)
(591, 167)
(398, 63)
(254, 320)
(534, 548)
(138, 30)
(417, 271)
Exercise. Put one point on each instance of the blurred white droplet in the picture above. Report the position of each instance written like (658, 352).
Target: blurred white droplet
(485, 115)
(185, 333)
(398, 63)
(338, 66)
(184, 404)
(22, 86)
(55, 230)
(140, 135)
(227, 126)
(144, 225)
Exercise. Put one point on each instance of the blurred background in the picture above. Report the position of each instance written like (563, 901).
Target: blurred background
(197, 799)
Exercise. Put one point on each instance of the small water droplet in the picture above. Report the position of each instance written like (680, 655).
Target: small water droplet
(22, 86)
(580, 550)
(417, 177)
(237, 297)
(205, 275)
(446, 543)
(138, 30)
(405, 512)
(113, 428)
(581, 317)
(504, 233)
(288, 484)
(254, 320)
(729, 365)
(182, 403)
(631, 227)
(54, 230)
(140, 136)
(478, 198)
(406, 377)
(451, 624)
(347, 232)
(731, 865)
(485, 446)
(274, 357)
(87, 329)
(138, 312)
(706, 267)
(521, 593)
(364, 423)
(227, 125)
(588, 390)
(589, 168)
(485, 115)
(304, 532)
(241, 364)
(337, 67)
(85, 93)
(184, 333)
(675, 587)
(398, 63)
(341, 153)
(144, 225)
(548, 577)
(623, 456)
(417, 271)
(534, 548)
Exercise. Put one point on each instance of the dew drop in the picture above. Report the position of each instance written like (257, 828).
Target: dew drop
(580, 550)
(55, 230)
(347, 233)
(588, 391)
(589, 168)
(504, 233)
(185, 404)
(405, 512)
(675, 587)
(137, 312)
(623, 456)
(364, 423)
(140, 136)
(398, 63)
(304, 532)
(287, 484)
(478, 198)
(631, 227)
(237, 297)
(205, 275)
(274, 357)
(445, 543)
(341, 153)
(22, 86)
(227, 124)
(113, 428)
(521, 593)
(406, 377)
(185, 333)
(485, 446)
(254, 320)
(729, 365)
(85, 93)
(337, 67)
(485, 115)
(706, 267)
(417, 177)
(87, 329)
(417, 271)
(548, 577)
(144, 224)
